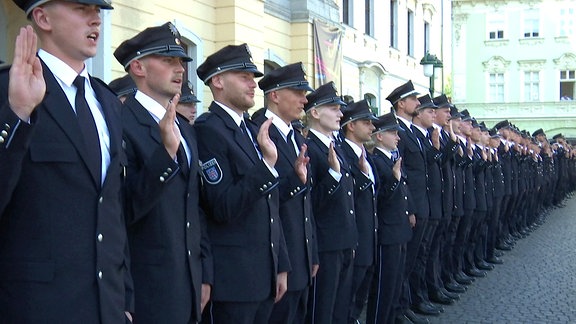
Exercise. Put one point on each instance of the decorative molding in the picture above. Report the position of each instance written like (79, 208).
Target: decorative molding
(566, 62)
(496, 42)
(531, 65)
(458, 22)
(496, 64)
(531, 41)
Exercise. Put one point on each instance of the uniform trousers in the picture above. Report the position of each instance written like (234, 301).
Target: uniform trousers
(418, 287)
(361, 282)
(384, 300)
(331, 292)
(291, 309)
(238, 312)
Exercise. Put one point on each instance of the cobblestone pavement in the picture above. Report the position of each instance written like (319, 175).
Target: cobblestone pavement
(536, 283)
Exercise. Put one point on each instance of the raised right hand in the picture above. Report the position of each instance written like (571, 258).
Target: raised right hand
(397, 169)
(27, 87)
(333, 159)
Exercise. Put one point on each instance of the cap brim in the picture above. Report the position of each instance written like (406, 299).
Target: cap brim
(189, 99)
(389, 128)
(182, 55)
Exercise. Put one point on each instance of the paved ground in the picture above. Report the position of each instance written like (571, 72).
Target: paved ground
(536, 283)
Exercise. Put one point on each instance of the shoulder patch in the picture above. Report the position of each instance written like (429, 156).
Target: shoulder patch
(212, 172)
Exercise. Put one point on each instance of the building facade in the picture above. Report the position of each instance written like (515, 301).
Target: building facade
(516, 60)
(383, 41)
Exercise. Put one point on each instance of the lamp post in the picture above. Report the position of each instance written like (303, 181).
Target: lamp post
(430, 63)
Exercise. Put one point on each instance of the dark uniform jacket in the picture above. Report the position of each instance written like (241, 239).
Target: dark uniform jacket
(414, 162)
(449, 149)
(332, 201)
(63, 245)
(434, 179)
(364, 208)
(167, 230)
(295, 211)
(393, 203)
(244, 227)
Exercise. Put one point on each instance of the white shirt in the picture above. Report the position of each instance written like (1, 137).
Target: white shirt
(157, 112)
(385, 151)
(282, 128)
(358, 151)
(327, 141)
(239, 119)
(65, 75)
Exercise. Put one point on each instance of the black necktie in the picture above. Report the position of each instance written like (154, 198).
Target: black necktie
(247, 134)
(182, 159)
(88, 129)
(290, 141)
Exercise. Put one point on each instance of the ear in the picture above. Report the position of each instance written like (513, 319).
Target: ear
(138, 68)
(314, 113)
(217, 81)
(41, 18)
(273, 96)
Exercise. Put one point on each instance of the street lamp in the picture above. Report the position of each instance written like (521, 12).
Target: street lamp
(430, 63)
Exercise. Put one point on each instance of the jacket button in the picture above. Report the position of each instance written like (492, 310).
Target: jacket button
(100, 237)
(187, 224)
(99, 274)
(100, 200)
(162, 179)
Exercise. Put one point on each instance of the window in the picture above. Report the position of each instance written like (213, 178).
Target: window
(426, 37)
(369, 17)
(410, 39)
(496, 86)
(532, 23)
(531, 86)
(348, 12)
(567, 81)
(394, 23)
(566, 23)
(495, 26)
(371, 100)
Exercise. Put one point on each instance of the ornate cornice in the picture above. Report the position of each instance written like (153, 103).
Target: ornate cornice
(566, 62)
(496, 64)
(531, 65)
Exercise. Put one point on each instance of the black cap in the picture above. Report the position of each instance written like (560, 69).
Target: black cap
(442, 101)
(493, 133)
(356, 111)
(465, 115)
(557, 136)
(28, 5)
(483, 127)
(524, 133)
(228, 58)
(291, 76)
(188, 95)
(160, 40)
(324, 95)
(537, 132)
(123, 86)
(403, 91)
(426, 102)
(502, 124)
(298, 124)
(454, 113)
(386, 122)
(474, 122)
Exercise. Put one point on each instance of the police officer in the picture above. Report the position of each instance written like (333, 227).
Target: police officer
(187, 104)
(356, 128)
(241, 194)
(62, 235)
(123, 87)
(405, 103)
(333, 208)
(285, 89)
(394, 223)
(171, 261)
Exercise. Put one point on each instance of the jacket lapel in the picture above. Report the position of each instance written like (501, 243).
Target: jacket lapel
(57, 105)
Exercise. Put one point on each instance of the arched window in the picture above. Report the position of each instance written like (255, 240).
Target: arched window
(372, 101)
